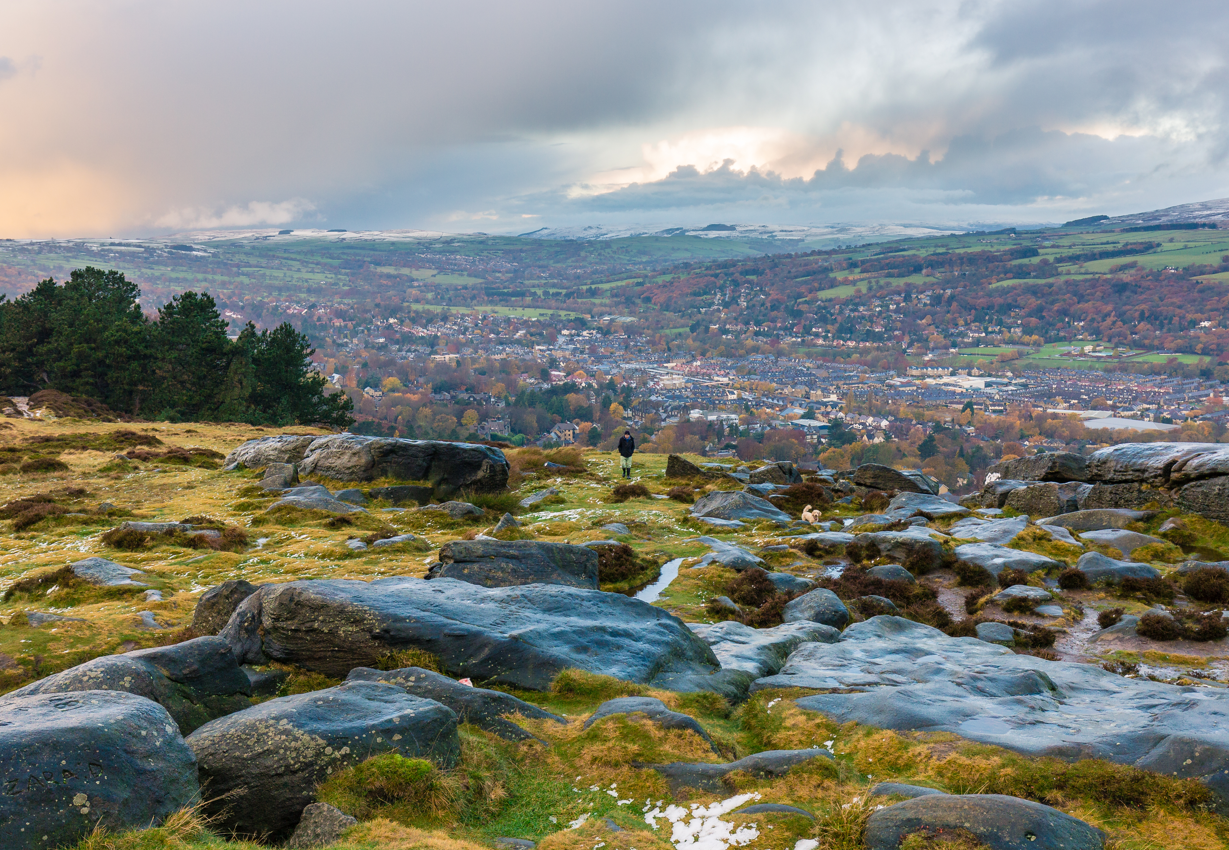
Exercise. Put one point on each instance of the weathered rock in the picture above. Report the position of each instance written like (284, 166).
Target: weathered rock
(759, 652)
(823, 542)
(916, 547)
(707, 777)
(312, 497)
(891, 572)
(999, 633)
(456, 510)
(403, 494)
(998, 823)
(900, 789)
(1163, 464)
(994, 559)
(265, 451)
(1188, 566)
(352, 496)
(497, 563)
(999, 532)
(1092, 520)
(320, 825)
(71, 761)
(1123, 628)
(195, 681)
(483, 708)
(259, 768)
(733, 505)
(521, 636)
(1062, 535)
(728, 555)
(616, 528)
(817, 606)
(40, 618)
(1096, 567)
(507, 522)
(531, 500)
(1208, 498)
(1124, 541)
(1045, 499)
(896, 674)
(773, 809)
(994, 494)
(395, 540)
(1024, 591)
(782, 472)
(924, 504)
(279, 476)
(653, 709)
(680, 468)
(878, 477)
(789, 583)
(104, 573)
(728, 524)
(1051, 466)
(356, 545)
(868, 521)
(1126, 496)
(448, 467)
(214, 608)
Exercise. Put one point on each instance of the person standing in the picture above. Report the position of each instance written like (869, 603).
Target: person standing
(627, 447)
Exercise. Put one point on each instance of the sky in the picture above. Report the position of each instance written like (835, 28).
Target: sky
(128, 118)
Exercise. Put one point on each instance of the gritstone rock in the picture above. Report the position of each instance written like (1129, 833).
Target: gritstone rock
(497, 563)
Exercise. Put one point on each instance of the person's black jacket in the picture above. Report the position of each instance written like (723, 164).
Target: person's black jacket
(627, 445)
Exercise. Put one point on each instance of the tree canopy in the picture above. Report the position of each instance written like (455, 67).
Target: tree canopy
(89, 337)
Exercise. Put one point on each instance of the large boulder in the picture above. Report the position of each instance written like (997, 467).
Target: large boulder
(71, 761)
(994, 559)
(403, 494)
(1163, 464)
(196, 681)
(733, 505)
(498, 563)
(1051, 466)
(683, 469)
(259, 768)
(817, 606)
(896, 674)
(265, 451)
(1131, 495)
(781, 472)
(483, 708)
(521, 636)
(997, 822)
(104, 573)
(1208, 498)
(214, 608)
(995, 493)
(1046, 499)
(1098, 567)
(448, 467)
(875, 476)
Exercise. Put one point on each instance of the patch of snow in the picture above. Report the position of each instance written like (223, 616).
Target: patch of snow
(701, 827)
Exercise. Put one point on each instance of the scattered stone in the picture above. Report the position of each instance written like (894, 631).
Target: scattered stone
(402, 494)
(875, 476)
(319, 826)
(266, 451)
(1124, 541)
(541, 495)
(394, 541)
(506, 523)
(677, 467)
(616, 528)
(215, 606)
(498, 563)
(521, 636)
(782, 472)
(456, 510)
(152, 595)
(1125, 627)
(1024, 591)
(448, 467)
(727, 604)
(1092, 520)
(994, 559)
(708, 777)
(655, 710)
(1050, 466)
(313, 497)
(999, 532)
(923, 504)
(261, 766)
(915, 546)
(352, 496)
(104, 573)
(279, 476)
(145, 620)
(892, 572)
(998, 822)
(1096, 567)
(733, 505)
(1049, 610)
(789, 583)
(356, 545)
(872, 606)
(999, 633)
(483, 708)
(111, 757)
(40, 618)
(900, 789)
(728, 555)
(817, 606)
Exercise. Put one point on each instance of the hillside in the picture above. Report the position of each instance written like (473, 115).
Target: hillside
(584, 782)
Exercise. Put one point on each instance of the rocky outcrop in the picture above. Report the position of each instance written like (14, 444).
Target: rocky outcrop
(1208, 498)
(265, 451)
(497, 563)
(1050, 466)
(521, 636)
(875, 476)
(69, 761)
(214, 608)
(908, 505)
(195, 681)
(1091, 520)
(997, 822)
(259, 768)
(782, 472)
(313, 497)
(1046, 499)
(684, 470)
(448, 467)
(733, 505)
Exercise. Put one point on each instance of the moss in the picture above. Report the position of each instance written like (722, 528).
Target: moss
(576, 685)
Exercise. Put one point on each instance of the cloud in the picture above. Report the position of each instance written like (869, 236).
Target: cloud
(251, 214)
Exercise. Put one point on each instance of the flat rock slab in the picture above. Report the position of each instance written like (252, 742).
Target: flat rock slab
(994, 559)
(897, 674)
(195, 681)
(522, 636)
(1024, 591)
(707, 777)
(997, 821)
(1098, 567)
(483, 708)
(999, 532)
(448, 467)
(999, 633)
(759, 652)
(70, 761)
(104, 573)
(924, 504)
(313, 497)
(1124, 541)
(261, 767)
(1061, 534)
(1093, 520)
(656, 712)
(743, 507)
(499, 563)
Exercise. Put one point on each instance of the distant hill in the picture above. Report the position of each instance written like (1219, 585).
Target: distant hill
(1201, 211)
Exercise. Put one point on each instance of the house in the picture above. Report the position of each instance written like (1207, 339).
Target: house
(492, 426)
(565, 433)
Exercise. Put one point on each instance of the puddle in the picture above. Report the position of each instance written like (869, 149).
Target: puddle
(669, 572)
